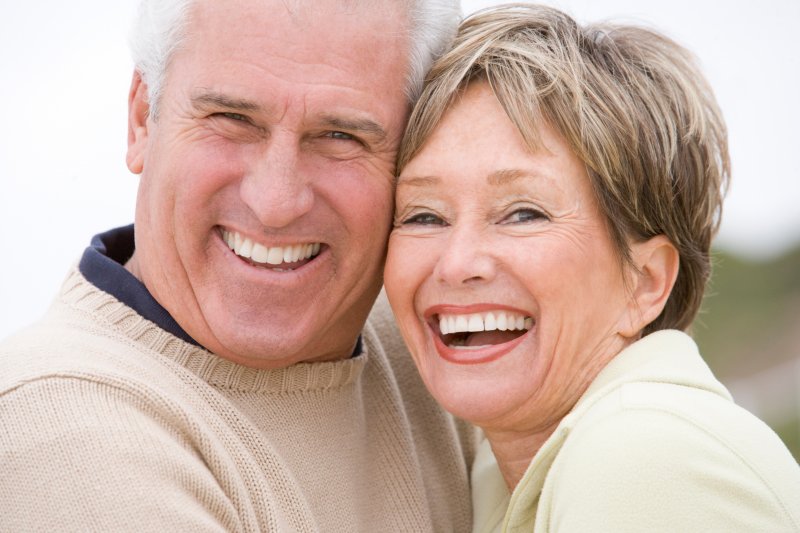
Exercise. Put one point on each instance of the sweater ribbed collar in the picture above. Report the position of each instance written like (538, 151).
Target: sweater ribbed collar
(166, 342)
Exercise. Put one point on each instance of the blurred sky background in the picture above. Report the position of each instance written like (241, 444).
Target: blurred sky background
(66, 71)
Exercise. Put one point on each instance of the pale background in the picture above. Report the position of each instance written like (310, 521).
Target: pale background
(66, 69)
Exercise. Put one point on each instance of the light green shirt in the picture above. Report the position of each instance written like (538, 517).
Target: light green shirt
(655, 444)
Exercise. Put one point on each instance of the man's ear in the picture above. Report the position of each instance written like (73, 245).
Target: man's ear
(657, 262)
(138, 112)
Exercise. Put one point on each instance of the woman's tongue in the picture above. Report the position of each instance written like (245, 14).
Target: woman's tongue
(483, 338)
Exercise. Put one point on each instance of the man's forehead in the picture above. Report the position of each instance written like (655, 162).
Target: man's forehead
(302, 10)
(329, 32)
(336, 72)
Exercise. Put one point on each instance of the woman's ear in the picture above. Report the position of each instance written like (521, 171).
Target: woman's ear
(138, 112)
(657, 262)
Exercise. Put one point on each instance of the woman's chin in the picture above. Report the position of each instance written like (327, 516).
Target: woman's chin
(480, 385)
(470, 394)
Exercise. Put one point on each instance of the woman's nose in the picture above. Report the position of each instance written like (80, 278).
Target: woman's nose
(467, 258)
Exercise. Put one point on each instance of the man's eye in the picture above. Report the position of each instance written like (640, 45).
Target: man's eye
(233, 116)
(524, 215)
(424, 219)
(340, 135)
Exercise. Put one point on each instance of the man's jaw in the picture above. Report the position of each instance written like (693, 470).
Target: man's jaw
(283, 258)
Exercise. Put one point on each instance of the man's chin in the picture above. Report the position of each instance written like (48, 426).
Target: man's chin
(275, 346)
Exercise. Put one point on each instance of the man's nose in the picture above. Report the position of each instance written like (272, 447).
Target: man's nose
(275, 188)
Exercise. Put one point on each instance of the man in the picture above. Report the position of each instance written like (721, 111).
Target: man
(218, 374)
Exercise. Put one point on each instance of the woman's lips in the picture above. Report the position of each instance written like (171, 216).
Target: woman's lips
(479, 336)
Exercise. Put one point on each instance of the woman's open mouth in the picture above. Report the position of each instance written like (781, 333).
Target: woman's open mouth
(493, 333)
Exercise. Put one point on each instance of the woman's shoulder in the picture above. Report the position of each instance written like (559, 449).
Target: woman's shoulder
(673, 456)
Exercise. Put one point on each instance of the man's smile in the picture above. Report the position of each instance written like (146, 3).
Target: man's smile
(278, 258)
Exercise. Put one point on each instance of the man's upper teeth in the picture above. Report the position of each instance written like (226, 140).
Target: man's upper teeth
(274, 255)
(493, 320)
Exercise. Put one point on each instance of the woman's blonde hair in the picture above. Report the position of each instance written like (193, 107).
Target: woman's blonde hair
(632, 105)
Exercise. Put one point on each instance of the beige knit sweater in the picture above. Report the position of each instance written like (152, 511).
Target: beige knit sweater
(108, 423)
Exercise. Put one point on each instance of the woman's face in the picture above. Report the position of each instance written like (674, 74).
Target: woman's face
(501, 271)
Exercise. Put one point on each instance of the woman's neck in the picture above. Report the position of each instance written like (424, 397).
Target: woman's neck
(515, 450)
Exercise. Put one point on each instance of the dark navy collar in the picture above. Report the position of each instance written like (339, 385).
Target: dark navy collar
(102, 265)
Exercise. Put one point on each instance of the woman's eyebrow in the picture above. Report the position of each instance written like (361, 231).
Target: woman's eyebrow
(509, 175)
(418, 181)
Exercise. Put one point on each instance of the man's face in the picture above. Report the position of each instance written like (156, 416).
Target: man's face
(266, 177)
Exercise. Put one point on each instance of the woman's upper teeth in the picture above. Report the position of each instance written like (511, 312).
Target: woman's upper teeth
(273, 255)
(489, 321)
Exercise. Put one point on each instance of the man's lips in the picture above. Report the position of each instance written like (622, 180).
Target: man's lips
(279, 258)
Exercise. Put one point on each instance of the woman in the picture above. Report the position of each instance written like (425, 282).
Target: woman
(559, 188)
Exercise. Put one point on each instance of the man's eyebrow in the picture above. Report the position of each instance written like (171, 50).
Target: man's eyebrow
(214, 99)
(358, 125)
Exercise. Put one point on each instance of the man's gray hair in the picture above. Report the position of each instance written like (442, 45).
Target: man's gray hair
(160, 27)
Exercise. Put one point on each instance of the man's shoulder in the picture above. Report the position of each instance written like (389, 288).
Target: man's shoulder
(386, 343)
(382, 324)
(82, 343)
(52, 346)
(386, 346)
(95, 427)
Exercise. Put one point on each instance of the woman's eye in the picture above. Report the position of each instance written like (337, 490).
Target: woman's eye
(522, 216)
(424, 219)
